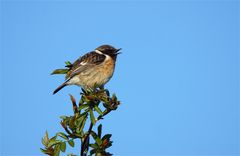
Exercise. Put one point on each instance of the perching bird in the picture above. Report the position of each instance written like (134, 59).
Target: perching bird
(93, 69)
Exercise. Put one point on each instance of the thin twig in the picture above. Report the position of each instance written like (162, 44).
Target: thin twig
(85, 142)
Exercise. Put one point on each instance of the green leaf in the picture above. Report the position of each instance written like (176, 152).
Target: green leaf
(100, 130)
(60, 71)
(79, 121)
(80, 128)
(57, 150)
(72, 123)
(43, 151)
(94, 146)
(94, 135)
(66, 120)
(68, 63)
(53, 139)
(44, 142)
(82, 106)
(63, 117)
(109, 144)
(92, 117)
(62, 135)
(93, 151)
(53, 142)
(81, 102)
(45, 139)
(71, 143)
(98, 110)
(98, 141)
(107, 136)
(84, 114)
(86, 110)
(63, 146)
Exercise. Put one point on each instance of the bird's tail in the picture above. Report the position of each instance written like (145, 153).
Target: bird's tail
(60, 87)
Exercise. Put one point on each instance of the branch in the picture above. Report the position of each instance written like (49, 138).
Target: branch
(85, 143)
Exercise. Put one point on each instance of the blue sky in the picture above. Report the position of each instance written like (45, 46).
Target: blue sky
(178, 76)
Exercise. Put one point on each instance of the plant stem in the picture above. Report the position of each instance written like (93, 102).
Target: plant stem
(85, 142)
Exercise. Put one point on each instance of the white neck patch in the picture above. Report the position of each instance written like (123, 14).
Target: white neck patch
(98, 51)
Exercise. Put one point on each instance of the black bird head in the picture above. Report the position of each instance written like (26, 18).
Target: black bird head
(108, 50)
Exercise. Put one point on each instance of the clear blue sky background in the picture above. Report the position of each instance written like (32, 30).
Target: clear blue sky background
(178, 76)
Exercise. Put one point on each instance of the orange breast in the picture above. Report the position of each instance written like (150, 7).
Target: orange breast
(108, 67)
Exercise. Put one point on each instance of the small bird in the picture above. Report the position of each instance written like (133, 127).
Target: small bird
(94, 69)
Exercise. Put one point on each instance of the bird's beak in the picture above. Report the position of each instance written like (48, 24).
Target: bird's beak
(118, 50)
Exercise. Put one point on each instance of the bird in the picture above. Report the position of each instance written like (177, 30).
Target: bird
(94, 69)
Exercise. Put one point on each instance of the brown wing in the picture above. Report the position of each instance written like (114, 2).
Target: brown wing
(85, 62)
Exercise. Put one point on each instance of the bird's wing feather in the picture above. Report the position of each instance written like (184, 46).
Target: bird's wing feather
(85, 62)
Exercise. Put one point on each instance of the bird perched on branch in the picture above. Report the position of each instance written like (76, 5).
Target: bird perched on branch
(94, 69)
